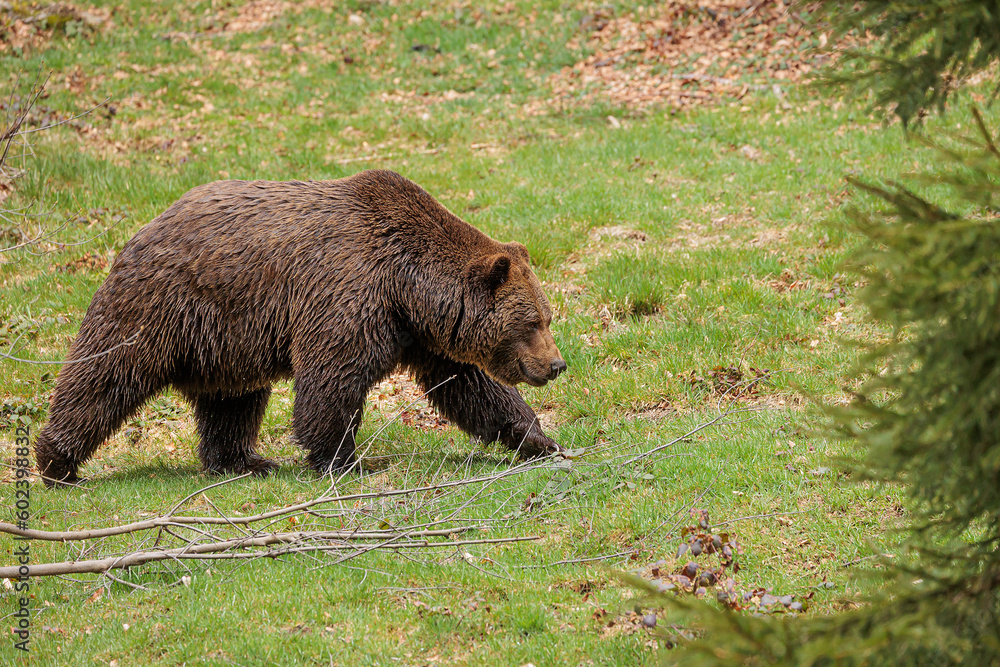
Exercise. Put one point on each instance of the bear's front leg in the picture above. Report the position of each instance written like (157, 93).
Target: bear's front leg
(325, 419)
(93, 398)
(480, 405)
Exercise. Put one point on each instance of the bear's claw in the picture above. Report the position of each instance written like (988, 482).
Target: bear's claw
(536, 445)
(54, 468)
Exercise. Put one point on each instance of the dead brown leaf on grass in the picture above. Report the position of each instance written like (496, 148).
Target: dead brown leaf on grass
(400, 395)
(22, 36)
(255, 15)
(6, 187)
(89, 262)
(625, 624)
(788, 281)
(395, 392)
(653, 411)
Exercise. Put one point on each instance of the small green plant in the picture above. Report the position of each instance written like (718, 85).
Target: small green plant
(630, 285)
(19, 410)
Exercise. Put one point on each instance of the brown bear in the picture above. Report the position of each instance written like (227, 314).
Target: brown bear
(333, 283)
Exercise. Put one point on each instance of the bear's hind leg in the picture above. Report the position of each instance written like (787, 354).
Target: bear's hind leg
(91, 402)
(228, 427)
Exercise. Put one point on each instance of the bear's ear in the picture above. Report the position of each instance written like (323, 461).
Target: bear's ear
(492, 270)
(518, 250)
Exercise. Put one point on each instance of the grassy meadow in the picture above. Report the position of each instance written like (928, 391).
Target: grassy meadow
(693, 259)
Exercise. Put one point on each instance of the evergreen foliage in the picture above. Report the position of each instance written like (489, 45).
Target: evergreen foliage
(928, 416)
(914, 54)
(928, 413)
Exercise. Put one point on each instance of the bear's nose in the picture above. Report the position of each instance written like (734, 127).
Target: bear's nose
(558, 366)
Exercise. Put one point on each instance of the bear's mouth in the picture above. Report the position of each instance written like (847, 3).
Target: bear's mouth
(532, 379)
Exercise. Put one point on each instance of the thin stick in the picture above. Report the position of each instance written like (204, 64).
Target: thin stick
(67, 120)
(571, 561)
(700, 427)
(203, 490)
(758, 516)
(128, 341)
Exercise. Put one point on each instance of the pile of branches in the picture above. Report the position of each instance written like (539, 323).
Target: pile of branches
(345, 524)
(447, 510)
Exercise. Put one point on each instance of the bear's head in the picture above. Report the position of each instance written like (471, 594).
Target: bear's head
(507, 317)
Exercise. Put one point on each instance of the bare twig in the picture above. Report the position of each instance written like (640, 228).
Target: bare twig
(76, 535)
(700, 427)
(68, 120)
(188, 497)
(757, 516)
(15, 133)
(128, 341)
(864, 558)
(573, 561)
(337, 525)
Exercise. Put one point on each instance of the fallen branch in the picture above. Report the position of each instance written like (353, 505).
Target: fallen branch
(61, 362)
(700, 427)
(163, 522)
(224, 549)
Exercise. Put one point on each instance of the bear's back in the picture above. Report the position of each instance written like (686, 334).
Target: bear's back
(372, 216)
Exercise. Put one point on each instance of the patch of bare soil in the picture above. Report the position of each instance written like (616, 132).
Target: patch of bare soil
(399, 397)
(688, 52)
(701, 236)
(604, 242)
(258, 14)
(25, 26)
(732, 382)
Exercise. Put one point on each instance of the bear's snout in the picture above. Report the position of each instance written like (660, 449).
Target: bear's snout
(556, 367)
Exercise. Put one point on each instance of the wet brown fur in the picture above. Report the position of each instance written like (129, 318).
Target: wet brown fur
(335, 283)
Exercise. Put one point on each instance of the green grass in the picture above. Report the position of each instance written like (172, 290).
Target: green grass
(727, 263)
